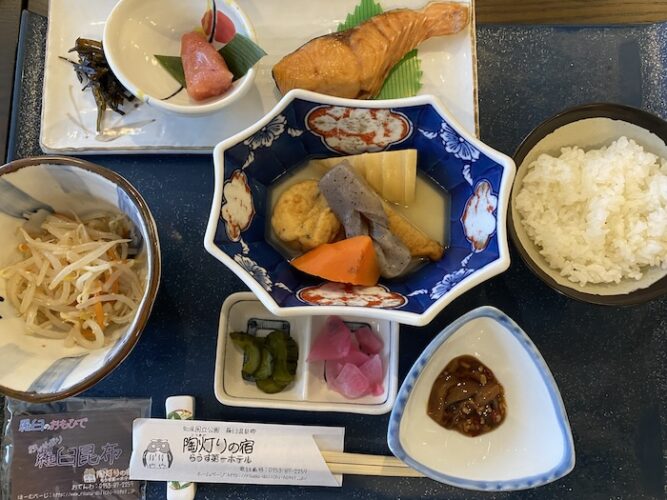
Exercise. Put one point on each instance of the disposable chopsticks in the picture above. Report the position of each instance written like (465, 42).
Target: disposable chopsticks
(368, 465)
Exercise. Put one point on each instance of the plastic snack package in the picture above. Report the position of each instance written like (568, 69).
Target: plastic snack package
(79, 447)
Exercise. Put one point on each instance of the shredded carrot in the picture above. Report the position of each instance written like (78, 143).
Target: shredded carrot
(99, 314)
(88, 334)
(111, 253)
(115, 287)
(23, 247)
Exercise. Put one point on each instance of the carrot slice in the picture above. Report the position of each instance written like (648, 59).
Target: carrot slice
(350, 261)
(99, 314)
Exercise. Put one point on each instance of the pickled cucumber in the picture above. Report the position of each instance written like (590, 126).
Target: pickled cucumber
(285, 353)
(270, 362)
(266, 365)
(270, 386)
(251, 352)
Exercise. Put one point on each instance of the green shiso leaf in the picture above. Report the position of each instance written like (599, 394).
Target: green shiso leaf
(241, 54)
(362, 12)
(174, 66)
(404, 79)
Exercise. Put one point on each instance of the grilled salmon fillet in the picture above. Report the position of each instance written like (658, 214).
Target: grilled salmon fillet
(355, 63)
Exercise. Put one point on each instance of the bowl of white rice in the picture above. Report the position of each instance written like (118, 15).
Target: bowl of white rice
(588, 210)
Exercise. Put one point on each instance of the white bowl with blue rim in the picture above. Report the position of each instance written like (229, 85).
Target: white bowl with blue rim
(38, 369)
(477, 178)
(533, 446)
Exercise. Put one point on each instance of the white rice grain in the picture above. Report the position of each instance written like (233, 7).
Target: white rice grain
(597, 216)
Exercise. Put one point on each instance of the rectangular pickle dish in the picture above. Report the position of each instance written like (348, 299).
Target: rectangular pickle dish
(243, 312)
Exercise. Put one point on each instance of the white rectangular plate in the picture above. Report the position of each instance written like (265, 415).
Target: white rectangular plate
(309, 390)
(69, 115)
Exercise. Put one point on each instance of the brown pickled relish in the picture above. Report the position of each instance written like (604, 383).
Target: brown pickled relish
(467, 397)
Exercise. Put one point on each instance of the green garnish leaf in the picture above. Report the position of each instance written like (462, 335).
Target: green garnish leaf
(174, 67)
(241, 54)
(404, 79)
(362, 12)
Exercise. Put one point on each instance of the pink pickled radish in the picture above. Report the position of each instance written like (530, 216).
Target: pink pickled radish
(372, 369)
(369, 342)
(351, 382)
(355, 356)
(333, 342)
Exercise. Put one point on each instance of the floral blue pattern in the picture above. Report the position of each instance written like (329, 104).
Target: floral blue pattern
(288, 138)
(268, 134)
(452, 279)
(457, 145)
(258, 273)
(467, 175)
(448, 282)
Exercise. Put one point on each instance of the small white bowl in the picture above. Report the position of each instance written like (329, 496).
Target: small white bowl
(532, 447)
(309, 391)
(137, 30)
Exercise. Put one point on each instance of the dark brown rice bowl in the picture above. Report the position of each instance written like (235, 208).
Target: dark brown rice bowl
(588, 126)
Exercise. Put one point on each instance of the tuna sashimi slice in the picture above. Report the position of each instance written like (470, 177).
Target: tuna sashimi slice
(355, 356)
(373, 371)
(369, 342)
(351, 382)
(333, 342)
(206, 72)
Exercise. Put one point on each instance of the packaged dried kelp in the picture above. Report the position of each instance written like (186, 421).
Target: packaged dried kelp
(79, 447)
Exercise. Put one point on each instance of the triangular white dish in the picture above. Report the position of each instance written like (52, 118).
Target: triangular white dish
(532, 447)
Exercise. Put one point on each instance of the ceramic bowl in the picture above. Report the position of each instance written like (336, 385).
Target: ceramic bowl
(137, 30)
(532, 447)
(242, 312)
(590, 126)
(39, 369)
(306, 125)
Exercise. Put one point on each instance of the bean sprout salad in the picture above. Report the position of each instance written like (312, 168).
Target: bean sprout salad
(78, 280)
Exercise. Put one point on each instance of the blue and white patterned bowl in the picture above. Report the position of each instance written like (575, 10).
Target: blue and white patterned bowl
(39, 369)
(305, 125)
(533, 446)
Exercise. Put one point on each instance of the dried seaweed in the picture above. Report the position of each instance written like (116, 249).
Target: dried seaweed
(94, 72)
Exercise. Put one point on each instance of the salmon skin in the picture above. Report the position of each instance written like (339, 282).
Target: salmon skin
(355, 63)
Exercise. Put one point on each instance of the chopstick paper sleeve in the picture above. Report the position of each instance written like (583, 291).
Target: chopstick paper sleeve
(233, 452)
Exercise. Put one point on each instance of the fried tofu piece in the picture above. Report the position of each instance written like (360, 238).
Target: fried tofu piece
(417, 242)
(302, 217)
